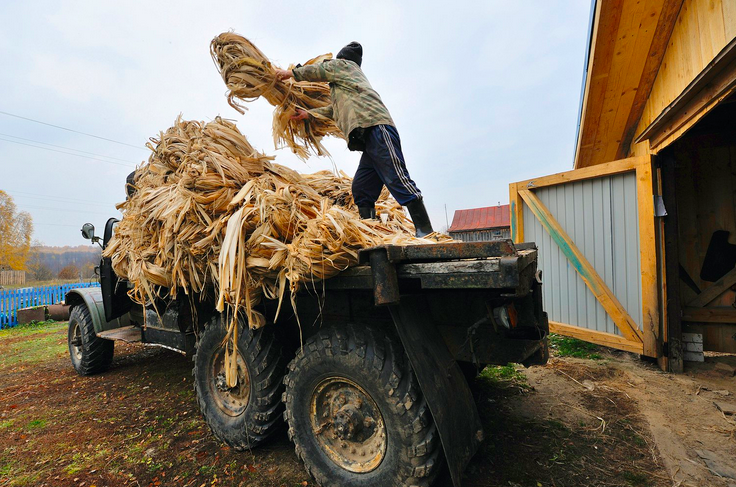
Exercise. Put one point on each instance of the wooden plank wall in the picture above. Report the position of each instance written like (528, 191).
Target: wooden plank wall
(12, 278)
(706, 202)
(702, 29)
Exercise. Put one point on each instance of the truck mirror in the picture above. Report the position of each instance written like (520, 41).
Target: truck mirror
(88, 231)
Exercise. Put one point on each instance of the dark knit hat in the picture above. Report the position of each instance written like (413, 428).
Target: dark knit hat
(352, 52)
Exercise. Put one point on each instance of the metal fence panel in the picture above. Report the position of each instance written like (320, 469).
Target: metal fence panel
(12, 300)
(601, 216)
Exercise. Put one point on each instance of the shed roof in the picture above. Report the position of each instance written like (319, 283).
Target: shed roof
(628, 39)
(481, 218)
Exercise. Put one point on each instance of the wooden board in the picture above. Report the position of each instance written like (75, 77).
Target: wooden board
(607, 169)
(709, 315)
(597, 337)
(657, 49)
(702, 30)
(608, 16)
(648, 259)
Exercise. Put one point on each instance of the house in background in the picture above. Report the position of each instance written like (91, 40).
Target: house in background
(481, 224)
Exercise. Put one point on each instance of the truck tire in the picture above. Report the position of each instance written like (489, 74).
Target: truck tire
(245, 415)
(356, 414)
(89, 353)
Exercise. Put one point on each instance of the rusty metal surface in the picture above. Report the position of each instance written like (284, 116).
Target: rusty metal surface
(232, 401)
(444, 251)
(129, 334)
(507, 273)
(348, 425)
(385, 280)
(443, 384)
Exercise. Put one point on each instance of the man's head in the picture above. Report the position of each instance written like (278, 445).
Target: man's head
(352, 52)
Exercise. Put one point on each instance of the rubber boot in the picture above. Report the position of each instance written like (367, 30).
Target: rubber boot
(367, 212)
(420, 218)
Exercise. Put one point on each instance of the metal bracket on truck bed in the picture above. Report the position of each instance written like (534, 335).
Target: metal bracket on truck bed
(443, 384)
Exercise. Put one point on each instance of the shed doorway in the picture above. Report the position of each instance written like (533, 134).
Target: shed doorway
(698, 174)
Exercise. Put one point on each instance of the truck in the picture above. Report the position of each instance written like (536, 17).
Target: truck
(370, 370)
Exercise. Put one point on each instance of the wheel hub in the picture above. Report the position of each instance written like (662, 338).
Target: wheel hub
(231, 400)
(77, 341)
(348, 425)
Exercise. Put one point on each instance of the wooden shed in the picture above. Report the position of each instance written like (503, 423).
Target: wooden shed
(638, 241)
(481, 224)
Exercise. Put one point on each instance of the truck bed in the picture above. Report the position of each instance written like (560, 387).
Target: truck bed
(497, 265)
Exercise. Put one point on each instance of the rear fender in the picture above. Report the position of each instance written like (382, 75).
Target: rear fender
(91, 297)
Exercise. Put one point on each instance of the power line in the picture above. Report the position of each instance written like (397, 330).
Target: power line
(67, 153)
(67, 148)
(55, 225)
(21, 194)
(65, 210)
(71, 130)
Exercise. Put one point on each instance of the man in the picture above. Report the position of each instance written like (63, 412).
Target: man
(361, 115)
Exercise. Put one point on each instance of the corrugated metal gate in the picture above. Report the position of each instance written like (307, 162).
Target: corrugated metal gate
(595, 231)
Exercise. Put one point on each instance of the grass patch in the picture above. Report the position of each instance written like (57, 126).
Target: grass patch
(30, 328)
(47, 345)
(504, 375)
(572, 347)
(6, 424)
(36, 424)
(6, 469)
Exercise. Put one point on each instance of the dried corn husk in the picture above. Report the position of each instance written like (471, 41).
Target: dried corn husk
(211, 214)
(248, 75)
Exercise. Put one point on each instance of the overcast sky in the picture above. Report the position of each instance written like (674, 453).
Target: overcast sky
(483, 93)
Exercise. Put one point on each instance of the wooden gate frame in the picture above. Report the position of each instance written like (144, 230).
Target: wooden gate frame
(642, 341)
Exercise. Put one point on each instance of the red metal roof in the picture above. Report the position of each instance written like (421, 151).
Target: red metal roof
(480, 218)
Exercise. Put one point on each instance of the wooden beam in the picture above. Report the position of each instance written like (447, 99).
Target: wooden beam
(597, 337)
(607, 169)
(658, 47)
(516, 208)
(671, 295)
(714, 290)
(709, 315)
(648, 257)
(642, 32)
(597, 286)
(605, 27)
(713, 82)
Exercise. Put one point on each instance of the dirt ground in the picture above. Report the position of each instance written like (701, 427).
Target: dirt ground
(608, 420)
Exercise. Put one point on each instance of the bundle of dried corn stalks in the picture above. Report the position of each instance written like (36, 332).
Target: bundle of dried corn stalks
(211, 213)
(248, 75)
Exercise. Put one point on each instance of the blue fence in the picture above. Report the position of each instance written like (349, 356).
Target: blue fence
(12, 300)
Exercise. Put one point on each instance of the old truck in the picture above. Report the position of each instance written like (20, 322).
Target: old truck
(370, 376)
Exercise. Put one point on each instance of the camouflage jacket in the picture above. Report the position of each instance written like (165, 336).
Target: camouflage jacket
(355, 104)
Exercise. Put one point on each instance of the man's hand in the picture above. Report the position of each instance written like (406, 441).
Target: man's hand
(284, 74)
(300, 114)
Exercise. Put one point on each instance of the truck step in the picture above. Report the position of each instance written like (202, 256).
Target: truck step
(129, 334)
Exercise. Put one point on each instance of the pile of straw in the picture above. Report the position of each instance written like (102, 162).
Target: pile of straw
(212, 215)
(248, 75)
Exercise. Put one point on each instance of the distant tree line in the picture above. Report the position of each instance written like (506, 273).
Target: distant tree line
(45, 263)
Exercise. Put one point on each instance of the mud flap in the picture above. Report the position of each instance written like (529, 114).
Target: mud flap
(443, 384)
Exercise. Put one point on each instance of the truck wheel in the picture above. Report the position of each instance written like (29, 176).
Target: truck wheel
(90, 354)
(356, 414)
(245, 415)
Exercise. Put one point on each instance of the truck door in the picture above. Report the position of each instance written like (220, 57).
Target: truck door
(114, 292)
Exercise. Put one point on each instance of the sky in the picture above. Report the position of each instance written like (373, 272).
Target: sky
(483, 93)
